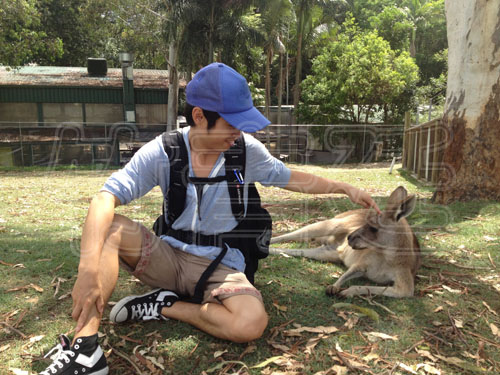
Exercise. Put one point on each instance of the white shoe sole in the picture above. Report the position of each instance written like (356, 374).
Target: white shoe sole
(119, 305)
(104, 371)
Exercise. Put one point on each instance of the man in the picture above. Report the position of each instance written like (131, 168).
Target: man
(220, 108)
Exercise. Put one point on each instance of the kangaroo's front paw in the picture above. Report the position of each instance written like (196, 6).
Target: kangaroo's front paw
(351, 292)
(331, 290)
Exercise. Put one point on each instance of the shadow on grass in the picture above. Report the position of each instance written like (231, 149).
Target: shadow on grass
(293, 291)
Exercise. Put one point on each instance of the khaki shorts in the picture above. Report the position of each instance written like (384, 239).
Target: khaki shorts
(162, 266)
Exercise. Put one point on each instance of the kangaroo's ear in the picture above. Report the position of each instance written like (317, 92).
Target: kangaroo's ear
(397, 196)
(406, 207)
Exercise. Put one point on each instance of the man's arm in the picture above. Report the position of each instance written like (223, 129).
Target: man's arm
(308, 183)
(87, 289)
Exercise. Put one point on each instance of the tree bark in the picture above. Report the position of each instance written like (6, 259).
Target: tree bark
(211, 34)
(280, 89)
(173, 86)
(471, 162)
(298, 65)
(269, 57)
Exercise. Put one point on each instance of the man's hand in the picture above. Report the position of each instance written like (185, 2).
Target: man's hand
(87, 294)
(362, 198)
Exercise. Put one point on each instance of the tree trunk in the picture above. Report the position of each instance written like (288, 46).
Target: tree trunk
(280, 88)
(173, 86)
(211, 34)
(471, 161)
(269, 57)
(413, 49)
(298, 67)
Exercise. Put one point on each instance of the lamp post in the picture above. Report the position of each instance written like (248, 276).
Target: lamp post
(127, 61)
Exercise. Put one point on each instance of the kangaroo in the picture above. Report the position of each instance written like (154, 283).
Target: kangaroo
(381, 248)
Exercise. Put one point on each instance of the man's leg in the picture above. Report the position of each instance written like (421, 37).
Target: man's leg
(240, 318)
(124, 238)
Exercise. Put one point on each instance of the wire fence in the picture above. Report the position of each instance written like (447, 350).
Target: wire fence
(424, 147)
(29, 144)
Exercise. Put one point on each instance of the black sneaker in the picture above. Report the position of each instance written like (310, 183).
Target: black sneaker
(84, 358)
(145, 307)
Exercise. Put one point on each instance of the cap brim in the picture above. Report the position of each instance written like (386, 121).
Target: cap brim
(248, 121)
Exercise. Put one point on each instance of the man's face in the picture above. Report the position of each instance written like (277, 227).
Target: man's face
(222, 136)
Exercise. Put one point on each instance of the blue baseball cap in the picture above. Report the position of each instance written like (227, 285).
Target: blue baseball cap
(219, 88)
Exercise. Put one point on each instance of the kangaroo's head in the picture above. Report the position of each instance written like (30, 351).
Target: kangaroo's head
(388, 230)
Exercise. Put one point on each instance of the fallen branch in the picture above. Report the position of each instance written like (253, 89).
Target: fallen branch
(343, 360)
(483, 338)
(121, 355)
(491, 261)
(14, 330)
(413, 346)
(438, 339)
(372, 302)
(456, 330)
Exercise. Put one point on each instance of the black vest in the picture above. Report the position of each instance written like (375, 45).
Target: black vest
(253, 232)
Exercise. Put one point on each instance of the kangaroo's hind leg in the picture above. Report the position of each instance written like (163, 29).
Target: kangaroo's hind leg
(323, 253)
(322, 230)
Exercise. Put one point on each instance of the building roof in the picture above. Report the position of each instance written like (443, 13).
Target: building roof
(78, 76)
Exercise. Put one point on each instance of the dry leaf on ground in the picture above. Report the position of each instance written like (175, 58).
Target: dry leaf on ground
(17, 371)
(319, 329)
(490, 309)
(375, 336)
(494, 330)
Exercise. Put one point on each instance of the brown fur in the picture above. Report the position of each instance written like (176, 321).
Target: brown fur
(381, 248)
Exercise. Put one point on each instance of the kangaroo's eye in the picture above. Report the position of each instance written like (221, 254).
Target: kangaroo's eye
(373, 229)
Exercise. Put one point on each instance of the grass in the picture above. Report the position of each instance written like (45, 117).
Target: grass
(449, 325)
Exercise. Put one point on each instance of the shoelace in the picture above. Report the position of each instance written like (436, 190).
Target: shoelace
(146, 311)
(57, 358)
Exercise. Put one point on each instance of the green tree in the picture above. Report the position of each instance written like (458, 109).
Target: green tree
(430, 37)
(179, 14)
(275, 14)
(22, 37)
(216, 27)
(355, 76)
(135, 26)
(393, 25)
(304, 12)
(418, 26)
(79, 24)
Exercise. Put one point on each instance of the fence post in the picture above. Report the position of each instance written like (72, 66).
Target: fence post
(421, 155)
(415, 153)
(406, 138)
(21, 143)
(427, 152)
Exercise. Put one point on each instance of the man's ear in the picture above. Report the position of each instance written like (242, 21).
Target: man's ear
(198, 117)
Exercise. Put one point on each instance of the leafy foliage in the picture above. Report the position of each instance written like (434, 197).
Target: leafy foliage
(22, 36)
(244, 34)
(355, 76)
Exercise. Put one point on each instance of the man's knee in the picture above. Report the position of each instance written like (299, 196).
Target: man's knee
(125, 236)
(122, 230)
(116, 230)
(248, 326)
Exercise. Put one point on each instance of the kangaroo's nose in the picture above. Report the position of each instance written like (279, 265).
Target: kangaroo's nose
(349, 238)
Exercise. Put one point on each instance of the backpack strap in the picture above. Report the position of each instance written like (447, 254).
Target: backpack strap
(201, 285)
(174, 146)
(175, 200)
(235, 176)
